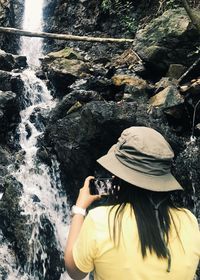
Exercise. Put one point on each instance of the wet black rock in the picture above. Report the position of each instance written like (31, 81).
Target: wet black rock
(2, 187)
(9, 109)
(104, 86)
(60, 81)
(5, 81)
(187, 170)
(11, 93)
(20, 62)
(67, 104)
(5, 160)
(11, 16)
(39, 118)
(40, 74)
(3, 273)
(13, 223)
(53, 266)
(79, 138)
(17, 86)
(9, 61)
(10, 82)
(6, 61)
(7, 99)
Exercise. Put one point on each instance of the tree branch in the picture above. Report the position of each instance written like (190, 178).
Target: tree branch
(192, 15)
(65, 37)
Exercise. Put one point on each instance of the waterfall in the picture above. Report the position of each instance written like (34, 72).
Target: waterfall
(32, 21)
(43, 201)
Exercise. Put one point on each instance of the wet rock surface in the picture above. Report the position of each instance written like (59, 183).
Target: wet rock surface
(10, 62)
(11, 90)
(78, 138)
(11, 14)
(13, 224)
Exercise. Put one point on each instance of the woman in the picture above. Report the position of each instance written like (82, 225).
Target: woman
(142, 236)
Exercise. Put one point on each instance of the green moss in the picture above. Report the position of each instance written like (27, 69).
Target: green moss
(68, 53)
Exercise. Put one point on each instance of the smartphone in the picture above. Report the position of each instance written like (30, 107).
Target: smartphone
(101, 186)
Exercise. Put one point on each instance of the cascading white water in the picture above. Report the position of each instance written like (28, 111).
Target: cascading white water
(42, 193)
(35, 177)
(32, 21)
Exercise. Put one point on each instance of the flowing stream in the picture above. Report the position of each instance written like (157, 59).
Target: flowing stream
(44, 203)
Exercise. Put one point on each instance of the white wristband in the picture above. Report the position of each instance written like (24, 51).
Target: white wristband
(78, 210)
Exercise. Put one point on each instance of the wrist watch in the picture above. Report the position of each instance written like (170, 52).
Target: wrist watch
(78, 210)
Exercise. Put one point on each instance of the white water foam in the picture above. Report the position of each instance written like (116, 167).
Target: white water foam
(39, 183)
(32, 21)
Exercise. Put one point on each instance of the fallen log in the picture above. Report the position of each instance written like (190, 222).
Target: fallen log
(65, 37)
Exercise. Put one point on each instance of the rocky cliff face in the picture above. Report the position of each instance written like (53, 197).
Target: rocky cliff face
(11, 16)
(79, 18)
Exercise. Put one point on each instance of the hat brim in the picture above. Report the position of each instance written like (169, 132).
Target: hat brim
(163, 183)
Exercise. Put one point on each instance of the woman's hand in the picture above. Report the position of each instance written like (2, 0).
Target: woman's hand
(85, 198)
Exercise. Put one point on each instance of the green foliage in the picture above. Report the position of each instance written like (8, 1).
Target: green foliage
(117, 6)
(129, 24)
(106, 5)
(171, 4)
(124, 10)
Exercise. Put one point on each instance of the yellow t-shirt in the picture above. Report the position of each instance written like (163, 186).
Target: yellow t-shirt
(94, 249)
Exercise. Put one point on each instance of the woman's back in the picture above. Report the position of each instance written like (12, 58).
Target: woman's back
(95, 248)
(144, 236)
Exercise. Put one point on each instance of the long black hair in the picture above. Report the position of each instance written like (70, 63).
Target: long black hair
(152, 213)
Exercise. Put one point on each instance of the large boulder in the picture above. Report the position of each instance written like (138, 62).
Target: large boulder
(167, 98)
(133, 87)
(70, 102)
(5, 81)
(63, 68)
(79, 138)
(11, 82)
(9, 112)
(168, 39)
(9, 61)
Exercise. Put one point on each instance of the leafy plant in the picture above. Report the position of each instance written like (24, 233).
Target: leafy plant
(124, 10)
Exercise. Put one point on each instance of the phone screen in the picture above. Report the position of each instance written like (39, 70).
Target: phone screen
(101, 186)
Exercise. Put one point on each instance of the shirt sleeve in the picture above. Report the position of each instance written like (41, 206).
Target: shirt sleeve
(84, 249)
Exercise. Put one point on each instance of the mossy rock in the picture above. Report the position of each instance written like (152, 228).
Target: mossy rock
(68, 53)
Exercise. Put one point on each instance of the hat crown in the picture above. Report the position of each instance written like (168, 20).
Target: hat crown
(143, 158)
(146, 141)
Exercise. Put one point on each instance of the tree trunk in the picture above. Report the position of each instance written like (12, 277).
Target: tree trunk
(195, 19)
(65, 37)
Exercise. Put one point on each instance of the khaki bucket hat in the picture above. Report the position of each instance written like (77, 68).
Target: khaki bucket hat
(143, 158)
